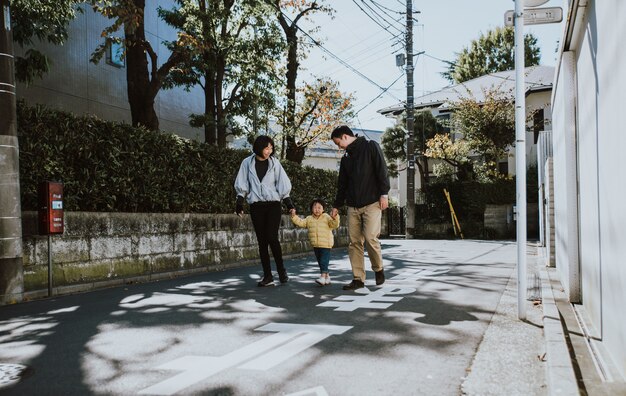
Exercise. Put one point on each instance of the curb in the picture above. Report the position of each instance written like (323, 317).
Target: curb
(560, 370)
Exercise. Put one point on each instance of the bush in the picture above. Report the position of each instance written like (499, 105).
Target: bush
(114, 167)
(469, 199)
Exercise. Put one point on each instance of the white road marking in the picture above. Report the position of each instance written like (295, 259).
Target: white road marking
(353, 302)
(288, 340)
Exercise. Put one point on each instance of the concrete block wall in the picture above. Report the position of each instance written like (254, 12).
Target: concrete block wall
(111, 249)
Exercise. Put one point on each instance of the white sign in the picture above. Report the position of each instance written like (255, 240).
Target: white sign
(536, 16)
(264, 354)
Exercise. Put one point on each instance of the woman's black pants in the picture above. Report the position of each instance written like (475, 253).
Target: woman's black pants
(266, 220)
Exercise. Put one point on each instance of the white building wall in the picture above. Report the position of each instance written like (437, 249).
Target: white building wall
(595, 63)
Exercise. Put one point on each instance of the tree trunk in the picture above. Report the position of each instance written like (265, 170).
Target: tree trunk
(292, 150)
(295, 153)
(11, 266)
(210, 124)
(140, 90)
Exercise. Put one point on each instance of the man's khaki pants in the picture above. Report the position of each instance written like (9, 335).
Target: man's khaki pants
(364, 227)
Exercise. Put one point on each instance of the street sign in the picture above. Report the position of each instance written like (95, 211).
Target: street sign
(536, 16)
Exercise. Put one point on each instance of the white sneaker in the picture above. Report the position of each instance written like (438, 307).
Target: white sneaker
(320, 281)
(327, 280)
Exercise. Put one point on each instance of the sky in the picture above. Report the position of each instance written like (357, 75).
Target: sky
(443, 28)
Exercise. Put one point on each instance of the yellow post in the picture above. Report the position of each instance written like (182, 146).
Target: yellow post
(455, 221)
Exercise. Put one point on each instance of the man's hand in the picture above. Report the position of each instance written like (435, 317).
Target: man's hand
(334, 213)
(292, 212)
(384, 202)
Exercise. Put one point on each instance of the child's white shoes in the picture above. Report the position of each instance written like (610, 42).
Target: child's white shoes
(323, 280)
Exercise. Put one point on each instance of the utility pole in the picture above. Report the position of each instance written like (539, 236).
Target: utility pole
(410, 120)
(11, 270)
(520, 158)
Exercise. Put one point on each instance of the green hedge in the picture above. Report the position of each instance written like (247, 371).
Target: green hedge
(114, 167)
(468, 199)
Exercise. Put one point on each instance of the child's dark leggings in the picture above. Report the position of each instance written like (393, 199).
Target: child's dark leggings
(266, 219)
(323, 258)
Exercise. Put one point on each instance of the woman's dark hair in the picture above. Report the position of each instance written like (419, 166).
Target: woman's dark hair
(317, 200)
(340, 131)
(260, 143)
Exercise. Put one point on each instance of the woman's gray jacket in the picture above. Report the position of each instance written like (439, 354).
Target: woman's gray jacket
(274, 187)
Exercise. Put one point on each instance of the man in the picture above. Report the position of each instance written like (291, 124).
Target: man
(363, 185)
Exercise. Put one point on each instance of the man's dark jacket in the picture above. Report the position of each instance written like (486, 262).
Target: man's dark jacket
(362, 175)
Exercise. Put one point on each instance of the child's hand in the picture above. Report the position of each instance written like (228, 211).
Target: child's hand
(334, 213)
(292, 212)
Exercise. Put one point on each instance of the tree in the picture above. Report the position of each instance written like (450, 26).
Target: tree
(491, 52)
(144, 78)
(487, 129)
(301, 9)
(45, 20)
(394, 142)
(230, 50)
(322, 108)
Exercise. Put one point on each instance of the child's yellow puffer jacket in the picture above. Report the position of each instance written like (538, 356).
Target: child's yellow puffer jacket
(320, 229)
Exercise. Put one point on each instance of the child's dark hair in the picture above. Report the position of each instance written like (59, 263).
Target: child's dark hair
(261, 143)
(319, 201)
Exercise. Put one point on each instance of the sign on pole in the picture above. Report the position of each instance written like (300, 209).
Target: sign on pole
(536, 16)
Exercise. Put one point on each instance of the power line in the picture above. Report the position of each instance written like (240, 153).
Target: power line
(338, 59)
(385, 28)
(379, 95)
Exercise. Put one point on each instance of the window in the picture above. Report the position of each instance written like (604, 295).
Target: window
(115, 53)
(538, 124)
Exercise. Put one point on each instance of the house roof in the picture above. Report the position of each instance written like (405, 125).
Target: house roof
(537, 78)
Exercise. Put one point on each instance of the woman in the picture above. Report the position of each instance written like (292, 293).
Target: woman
(263, 182)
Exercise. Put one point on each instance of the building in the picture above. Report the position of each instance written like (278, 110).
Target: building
(588, 187)
(538, 81)
(77, 85)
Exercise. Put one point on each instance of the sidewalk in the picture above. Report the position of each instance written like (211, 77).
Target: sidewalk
(544, 355)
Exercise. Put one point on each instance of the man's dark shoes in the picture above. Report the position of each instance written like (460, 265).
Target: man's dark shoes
(380, 277)
(283, 277)
(266, 282)
(355, 284)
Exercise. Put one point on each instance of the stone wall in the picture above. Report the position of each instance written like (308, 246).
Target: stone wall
(111, 249)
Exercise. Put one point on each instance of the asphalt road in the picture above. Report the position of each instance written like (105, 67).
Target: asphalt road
(219, 334)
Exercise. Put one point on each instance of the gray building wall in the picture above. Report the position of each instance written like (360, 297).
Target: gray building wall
(74, 84)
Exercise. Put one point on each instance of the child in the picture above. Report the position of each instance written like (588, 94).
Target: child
(320, 226)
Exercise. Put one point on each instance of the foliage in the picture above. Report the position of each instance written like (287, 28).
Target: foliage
(469, 199)
(491, 52)
(486, 129)
(288, 14)
(455, 153)
(44, 20)
(145, 79)
(322, 106)
(230, 50)
(115, 167)
(393, 141)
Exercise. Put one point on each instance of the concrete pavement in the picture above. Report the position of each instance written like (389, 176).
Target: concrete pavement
(445, 323)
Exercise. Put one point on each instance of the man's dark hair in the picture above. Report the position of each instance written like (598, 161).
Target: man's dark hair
(260, 143)
(317, 200)
(340, 131)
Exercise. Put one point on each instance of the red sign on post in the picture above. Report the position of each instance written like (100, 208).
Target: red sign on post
(50, 208)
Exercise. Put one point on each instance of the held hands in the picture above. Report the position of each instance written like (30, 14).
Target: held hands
(292, 212)
(333, 213)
